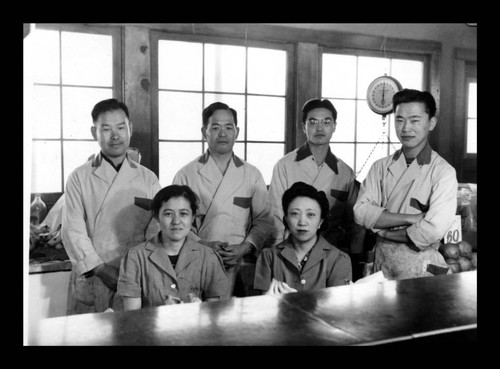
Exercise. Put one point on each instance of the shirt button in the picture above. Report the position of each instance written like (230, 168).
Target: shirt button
(303, 281)
(172, 285)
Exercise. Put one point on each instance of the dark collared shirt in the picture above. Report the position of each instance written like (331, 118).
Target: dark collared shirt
(326, 266)
(146, 272)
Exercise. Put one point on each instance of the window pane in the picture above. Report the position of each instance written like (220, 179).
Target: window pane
(264, 157)
(237, 102)
(266, 118)
(266, 71)
(77, 107)
(472, 136)
(180, 116)
(239, 150)
(392, 129)
(46, 51)
(366, 155)
(370, 127)
(77, 153)
(408, 72)
(224, 68)
(346, 120)
(46, 112)
(339, 76)
(180, 65)
(393, 147)
(46, 166)
(370, 68)
(344, 152)
(87, 59)
(472, 105)
(173, 156)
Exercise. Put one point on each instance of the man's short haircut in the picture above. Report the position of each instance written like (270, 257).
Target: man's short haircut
(407, 95)
(315, 104)
(301, 189)
(108, 105)
(210, 110)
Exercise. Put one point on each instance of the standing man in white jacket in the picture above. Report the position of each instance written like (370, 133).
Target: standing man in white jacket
(234, 216)
(409, 198)
(106, 211)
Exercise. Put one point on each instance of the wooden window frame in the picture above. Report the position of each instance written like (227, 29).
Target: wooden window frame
(50, 198)
(156, 36)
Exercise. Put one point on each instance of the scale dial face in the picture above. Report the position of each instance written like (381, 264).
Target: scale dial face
(380, 92)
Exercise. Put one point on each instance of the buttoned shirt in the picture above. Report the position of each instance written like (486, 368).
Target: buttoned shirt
(146, 272)
(326, 266)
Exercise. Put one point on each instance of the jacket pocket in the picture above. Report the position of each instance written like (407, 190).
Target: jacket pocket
(339, 195)
(414, 203)
(242, 202)
(143, 203)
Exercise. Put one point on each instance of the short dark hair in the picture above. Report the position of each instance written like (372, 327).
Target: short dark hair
(166, 193)
(210, 110)
(407, 95)
(108, 105)
(318, 103)
(305, 190)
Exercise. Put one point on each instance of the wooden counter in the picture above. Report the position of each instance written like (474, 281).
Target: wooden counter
(50, 266)
(359, 314)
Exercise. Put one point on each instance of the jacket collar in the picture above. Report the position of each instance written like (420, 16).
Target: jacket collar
(204, 159)
(319, 251)
(97, 160)
(331, 160)
(423, 157)
(158, 256)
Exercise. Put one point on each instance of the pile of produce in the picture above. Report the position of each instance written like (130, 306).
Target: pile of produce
(42, 236)
(460, 256)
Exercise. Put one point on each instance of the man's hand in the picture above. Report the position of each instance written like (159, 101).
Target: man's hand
(278, 287)
(108, 274)
(216, 245)
(232, 254)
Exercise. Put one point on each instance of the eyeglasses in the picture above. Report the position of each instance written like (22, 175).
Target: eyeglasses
(326, 122)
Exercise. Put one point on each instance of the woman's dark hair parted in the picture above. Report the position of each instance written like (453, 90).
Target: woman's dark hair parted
(166, 193)
(301, 189)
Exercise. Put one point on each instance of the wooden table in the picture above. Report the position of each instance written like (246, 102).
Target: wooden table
(359, 314)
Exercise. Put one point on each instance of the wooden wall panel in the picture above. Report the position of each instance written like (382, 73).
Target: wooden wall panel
(137, 88)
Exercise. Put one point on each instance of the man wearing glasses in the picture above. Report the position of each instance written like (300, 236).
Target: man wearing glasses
(315, 164)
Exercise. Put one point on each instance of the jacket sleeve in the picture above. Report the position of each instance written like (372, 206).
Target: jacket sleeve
(129, 279)
(355, 232)
(367, 208)
(276, 189)
(76, 240)
(442, 209)
(341, 270)
(216, 280)
(261, 225)
(263, 270)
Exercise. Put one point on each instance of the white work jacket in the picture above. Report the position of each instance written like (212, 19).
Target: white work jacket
(234, 206)
(106, 212)
(429, 185)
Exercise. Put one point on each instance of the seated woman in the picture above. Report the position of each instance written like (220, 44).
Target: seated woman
(305, 260)
(172, 267)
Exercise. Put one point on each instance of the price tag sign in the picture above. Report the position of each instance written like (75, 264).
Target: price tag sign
(454, 234)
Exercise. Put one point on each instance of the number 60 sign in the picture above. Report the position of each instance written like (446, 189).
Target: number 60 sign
(454, 233)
